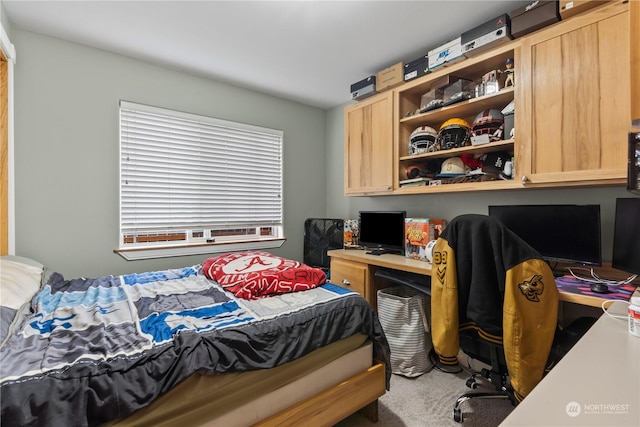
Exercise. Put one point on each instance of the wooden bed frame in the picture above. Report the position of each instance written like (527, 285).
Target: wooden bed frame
(360, 392)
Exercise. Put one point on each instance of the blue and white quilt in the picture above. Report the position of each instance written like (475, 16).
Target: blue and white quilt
(93, 350)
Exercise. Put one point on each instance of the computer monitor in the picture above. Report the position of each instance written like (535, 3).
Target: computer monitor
(564, 233)
(626, 236)
(382, 231)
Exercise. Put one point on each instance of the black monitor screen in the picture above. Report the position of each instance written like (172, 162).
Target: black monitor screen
(626, 236)
(566, 233)
(382, 232)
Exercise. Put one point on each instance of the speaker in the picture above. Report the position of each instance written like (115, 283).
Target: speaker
(320, 236)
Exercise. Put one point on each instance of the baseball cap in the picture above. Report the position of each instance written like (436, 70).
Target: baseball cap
(494, 162)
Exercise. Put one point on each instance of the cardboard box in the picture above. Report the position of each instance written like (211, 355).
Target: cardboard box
(364, 88)
(390, 76)
(448, 53)
(574, 7)
(419, 232)
(416, 68)
(483, 37)
(351, 234)
(534, 16)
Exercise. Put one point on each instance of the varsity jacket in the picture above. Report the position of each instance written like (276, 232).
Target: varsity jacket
(486, 278)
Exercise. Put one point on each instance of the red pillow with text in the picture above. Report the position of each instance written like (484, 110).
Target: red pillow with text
(254, 274)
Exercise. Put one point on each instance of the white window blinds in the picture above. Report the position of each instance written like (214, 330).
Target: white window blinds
(196, 177)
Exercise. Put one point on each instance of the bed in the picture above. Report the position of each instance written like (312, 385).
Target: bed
(179, 347)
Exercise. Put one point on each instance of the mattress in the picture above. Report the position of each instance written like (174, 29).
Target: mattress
(242, 399)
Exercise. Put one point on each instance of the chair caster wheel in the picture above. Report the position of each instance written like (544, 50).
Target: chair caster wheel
(457, 415)
(472, 384)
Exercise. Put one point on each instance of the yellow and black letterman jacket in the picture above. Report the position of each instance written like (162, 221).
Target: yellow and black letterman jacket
(486, 278)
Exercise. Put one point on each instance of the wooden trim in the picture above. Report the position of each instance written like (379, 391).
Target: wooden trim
(4, 154)
(334, 404)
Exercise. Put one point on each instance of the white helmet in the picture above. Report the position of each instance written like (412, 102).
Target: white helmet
(423, 140)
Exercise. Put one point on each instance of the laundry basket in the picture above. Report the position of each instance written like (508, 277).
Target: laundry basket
(404, 315)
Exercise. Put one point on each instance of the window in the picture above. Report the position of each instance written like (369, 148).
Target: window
(191, 184)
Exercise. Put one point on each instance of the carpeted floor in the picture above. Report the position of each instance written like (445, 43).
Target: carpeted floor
(428, 401)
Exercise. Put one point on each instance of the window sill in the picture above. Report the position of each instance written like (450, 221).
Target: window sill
(139, 253)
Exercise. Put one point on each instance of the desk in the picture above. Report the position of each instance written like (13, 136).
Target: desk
(356, 268)
(596, 384)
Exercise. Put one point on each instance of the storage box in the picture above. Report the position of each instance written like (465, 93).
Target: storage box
(574, 7)
(351, 234)
(535, 15)
(483, 37)
(508, 126)
(435, 97)
(429, 101)
(459, 90)
(419, 232)
(364, 88)
(390, 76)
(416, 68)
(448, 53)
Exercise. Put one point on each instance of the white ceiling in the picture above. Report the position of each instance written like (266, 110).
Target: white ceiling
(305, 51)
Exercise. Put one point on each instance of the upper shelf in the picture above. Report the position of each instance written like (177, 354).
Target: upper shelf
(463, 108)
(502, 145)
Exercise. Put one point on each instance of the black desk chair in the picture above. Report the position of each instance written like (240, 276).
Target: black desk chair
(494, 297)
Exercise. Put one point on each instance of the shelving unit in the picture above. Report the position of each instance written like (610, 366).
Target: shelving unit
(408, 98)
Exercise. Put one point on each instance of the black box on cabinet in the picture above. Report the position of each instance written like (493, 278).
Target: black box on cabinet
(534, 16)
(485, 36)
(633, 170)
(364, 88)
(416, 68)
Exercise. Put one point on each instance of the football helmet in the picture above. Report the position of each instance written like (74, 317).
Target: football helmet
(491, 122)
(423, 140)
(454, 133)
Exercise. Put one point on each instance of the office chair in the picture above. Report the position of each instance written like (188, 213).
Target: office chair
(494, 298)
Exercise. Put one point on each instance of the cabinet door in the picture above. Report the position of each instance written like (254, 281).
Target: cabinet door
(368, 149)
(577, 110)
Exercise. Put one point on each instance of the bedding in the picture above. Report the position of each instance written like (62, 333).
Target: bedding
(94, 350)
(20, 279)
(257, 274)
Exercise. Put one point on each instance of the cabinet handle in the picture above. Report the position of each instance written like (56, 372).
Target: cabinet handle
(524, 178)
(346, 282)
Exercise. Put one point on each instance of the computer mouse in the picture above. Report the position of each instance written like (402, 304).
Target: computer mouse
(599, 288)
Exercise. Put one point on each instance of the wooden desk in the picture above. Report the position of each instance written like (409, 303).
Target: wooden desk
(596, 384)
(357, 268)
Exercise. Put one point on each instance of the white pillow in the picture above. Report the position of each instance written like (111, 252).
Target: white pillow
(20, 279)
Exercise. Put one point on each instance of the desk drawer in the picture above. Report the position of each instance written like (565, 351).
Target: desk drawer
(351, 275)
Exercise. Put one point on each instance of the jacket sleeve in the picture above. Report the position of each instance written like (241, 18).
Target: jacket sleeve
(530, 315)
(444, 303)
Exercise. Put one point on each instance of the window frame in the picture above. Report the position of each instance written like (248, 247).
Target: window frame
(147, 241)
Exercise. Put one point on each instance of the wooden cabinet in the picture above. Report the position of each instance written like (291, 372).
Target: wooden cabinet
(368, 149)
(572, 110)
(351, 275)
(572, 127)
